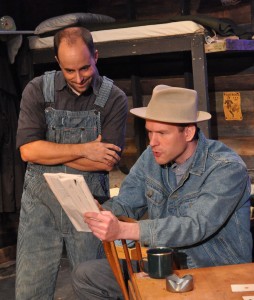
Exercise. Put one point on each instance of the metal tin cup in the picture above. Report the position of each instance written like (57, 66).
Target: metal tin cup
(160, 262)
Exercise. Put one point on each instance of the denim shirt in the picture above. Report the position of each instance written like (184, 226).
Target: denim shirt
(205, 218)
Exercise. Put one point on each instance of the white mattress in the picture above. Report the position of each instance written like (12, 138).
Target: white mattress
(129, 33)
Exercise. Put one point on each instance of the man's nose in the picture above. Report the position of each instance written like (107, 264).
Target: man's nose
(152, 140)
(79, 77)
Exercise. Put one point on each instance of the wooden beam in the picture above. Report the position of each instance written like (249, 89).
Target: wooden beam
(139, 124)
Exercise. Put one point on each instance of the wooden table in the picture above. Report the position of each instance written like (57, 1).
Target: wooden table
(213, 283)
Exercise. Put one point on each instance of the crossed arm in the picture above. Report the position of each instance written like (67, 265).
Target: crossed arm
(91, 156)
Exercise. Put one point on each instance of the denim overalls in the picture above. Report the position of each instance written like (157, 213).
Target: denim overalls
(43, 223)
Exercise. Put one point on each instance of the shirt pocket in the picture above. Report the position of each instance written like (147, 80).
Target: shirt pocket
(156, 200)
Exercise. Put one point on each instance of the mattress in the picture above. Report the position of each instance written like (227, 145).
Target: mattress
(129, 33)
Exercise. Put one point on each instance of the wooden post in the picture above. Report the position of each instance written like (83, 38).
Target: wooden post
(139, 124)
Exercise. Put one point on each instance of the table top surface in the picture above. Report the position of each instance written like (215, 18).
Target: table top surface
(213, 283)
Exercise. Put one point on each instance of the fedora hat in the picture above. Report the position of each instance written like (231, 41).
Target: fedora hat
(172, 105)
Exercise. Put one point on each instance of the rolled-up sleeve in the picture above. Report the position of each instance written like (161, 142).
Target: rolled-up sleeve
(31, 123)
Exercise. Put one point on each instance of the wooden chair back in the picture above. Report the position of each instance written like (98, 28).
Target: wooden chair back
(113, 259)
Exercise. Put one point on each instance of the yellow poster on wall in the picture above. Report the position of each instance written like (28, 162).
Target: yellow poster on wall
(232, 106)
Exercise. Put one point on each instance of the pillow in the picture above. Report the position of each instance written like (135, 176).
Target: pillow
(50, 26)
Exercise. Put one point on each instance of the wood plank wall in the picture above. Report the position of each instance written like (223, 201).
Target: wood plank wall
(161, 9)
(239, 134)
(121, 10)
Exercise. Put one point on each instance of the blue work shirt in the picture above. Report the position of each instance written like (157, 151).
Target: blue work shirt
(205, 217)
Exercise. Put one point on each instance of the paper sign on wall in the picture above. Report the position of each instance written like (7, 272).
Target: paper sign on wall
(232, 106)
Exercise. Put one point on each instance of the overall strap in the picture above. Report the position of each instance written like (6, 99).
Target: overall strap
(104, 92)
(102, 98)
(49, 87)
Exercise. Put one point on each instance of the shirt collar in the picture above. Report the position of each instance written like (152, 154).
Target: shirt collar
(96, 83)
(200, 156)
(60, 83)
(184, 166)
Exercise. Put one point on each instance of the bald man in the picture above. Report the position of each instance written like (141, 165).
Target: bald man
(71, 121)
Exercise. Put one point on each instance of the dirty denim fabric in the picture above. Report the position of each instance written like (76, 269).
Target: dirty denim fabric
(94, 280)
(44, 226)
(105, 286)
(205, 217)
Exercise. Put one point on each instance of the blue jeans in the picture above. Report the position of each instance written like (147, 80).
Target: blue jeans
(43, 229)
(94, 280)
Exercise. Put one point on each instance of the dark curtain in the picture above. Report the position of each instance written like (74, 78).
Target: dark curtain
(12, 168)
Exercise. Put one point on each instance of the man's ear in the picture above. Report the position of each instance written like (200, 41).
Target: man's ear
(190, 131)
(96, 55)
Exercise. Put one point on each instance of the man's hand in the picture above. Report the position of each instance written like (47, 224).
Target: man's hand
(104, 225)
(107, 227)
(101, 152)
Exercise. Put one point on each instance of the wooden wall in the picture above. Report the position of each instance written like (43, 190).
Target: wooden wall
(226, 73)
(29, 13)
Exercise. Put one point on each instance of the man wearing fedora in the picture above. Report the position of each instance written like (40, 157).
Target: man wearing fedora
(195, 192)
